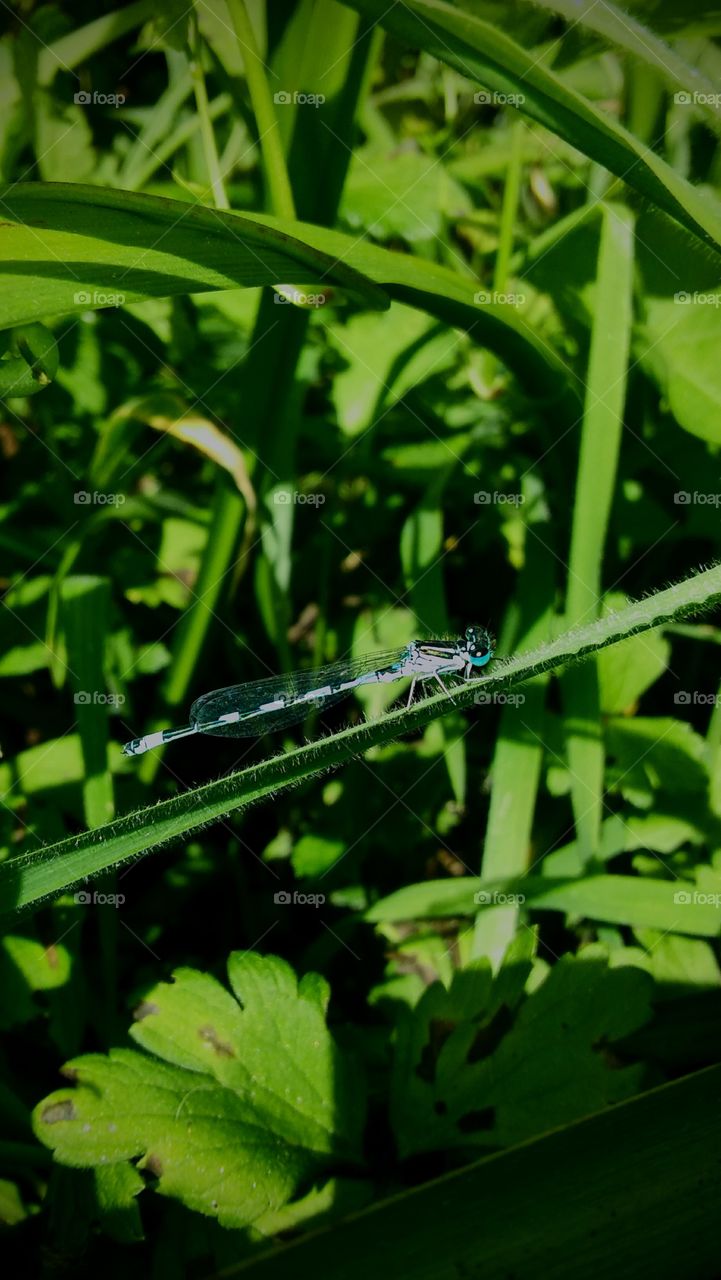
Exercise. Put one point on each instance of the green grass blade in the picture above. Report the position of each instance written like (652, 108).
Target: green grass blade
(517, 760)
(65, 247)
(86, 618)
(95, 242)
(595, 486)
(33, 876)
(324, 51)
(269, 137)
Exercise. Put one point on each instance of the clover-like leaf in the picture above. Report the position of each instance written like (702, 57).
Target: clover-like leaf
(244, 1101)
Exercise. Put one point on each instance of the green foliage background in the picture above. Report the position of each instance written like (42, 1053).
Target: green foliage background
(324, 327)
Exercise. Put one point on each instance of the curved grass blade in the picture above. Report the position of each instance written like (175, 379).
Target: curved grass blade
(69, 248)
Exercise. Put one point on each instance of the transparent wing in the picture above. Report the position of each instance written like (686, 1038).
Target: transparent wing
(248, 698)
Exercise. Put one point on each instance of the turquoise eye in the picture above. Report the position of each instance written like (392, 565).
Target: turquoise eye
(481, 662)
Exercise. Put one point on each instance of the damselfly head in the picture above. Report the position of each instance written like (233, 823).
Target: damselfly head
(479, 643)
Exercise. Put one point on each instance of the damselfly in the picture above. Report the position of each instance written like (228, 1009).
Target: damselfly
(252, 709)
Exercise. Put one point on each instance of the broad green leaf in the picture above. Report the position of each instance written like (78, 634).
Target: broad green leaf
(656, 753)
(313, 855)
(22, 659)
(390, 195)
(680, 344)
(633, 666)
(245, 1098)
(678, 963)
(383, 358)
(63, 141)
(27, 966)
(12, 1209)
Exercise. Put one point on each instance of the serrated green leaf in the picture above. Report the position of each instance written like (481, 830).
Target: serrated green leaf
(257, 1098)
